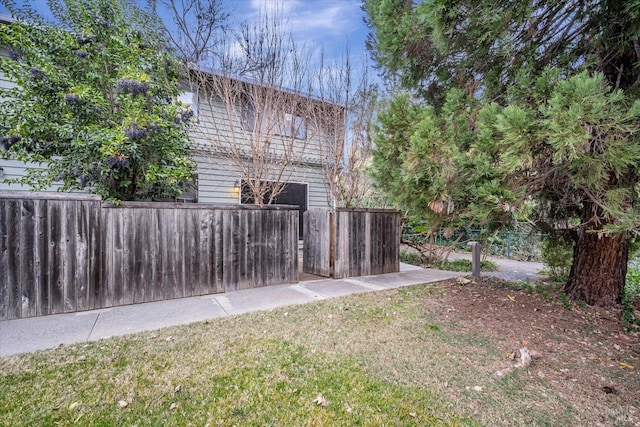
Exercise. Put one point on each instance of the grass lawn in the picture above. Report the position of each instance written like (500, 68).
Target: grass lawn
(383, 358)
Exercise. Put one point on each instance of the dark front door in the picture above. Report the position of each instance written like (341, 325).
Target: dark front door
(295, 195)
(291, 194)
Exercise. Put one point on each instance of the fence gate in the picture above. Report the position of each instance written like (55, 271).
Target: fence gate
(351, 242)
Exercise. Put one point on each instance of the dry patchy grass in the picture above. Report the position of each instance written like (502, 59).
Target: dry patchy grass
(424, 355)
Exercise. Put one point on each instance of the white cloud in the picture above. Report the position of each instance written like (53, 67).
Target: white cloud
(315, 19)
(280, 7)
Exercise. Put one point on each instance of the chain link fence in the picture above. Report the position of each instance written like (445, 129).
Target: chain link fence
(517, 244)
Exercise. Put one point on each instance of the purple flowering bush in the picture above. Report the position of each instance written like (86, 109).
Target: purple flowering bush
(95, 102)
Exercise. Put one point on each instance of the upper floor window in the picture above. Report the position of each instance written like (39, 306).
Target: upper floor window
(295, 126)
(248, 115)
(287, 124)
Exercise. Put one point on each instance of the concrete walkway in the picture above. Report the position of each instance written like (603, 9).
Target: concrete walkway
(40, 333)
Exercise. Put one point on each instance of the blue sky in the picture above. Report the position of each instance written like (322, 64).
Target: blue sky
(317, 23)
(319, 26)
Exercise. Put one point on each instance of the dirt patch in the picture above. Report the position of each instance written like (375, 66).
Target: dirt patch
(585, 353)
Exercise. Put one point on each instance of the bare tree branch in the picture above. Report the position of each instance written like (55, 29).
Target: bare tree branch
(201, 26)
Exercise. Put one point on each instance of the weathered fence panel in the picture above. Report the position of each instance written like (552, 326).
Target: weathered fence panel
(360, 242)
(158, 251)
(65, 253)
(49, 254)
(367, 242)
(317, 251)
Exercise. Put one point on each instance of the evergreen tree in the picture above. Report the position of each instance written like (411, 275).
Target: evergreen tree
(95, 101)
(517, 107)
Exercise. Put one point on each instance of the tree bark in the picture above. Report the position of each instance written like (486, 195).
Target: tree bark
(599, 267)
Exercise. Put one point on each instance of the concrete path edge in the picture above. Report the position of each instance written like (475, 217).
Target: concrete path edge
(41, 333)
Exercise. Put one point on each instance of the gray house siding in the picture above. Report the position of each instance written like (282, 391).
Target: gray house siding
(218, 172)
(218, 177)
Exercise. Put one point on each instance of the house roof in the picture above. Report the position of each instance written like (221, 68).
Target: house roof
(248, 80)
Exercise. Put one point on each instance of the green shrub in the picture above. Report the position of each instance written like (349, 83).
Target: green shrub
(412, 258)
(630, 293)
(557, 254)
(632, 288)
(465, 265)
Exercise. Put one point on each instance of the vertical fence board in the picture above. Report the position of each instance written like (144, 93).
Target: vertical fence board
(256, 242)
(119, 257)
(48, 267)
(166, 264)
(272, 245)
(191, 236)
(266, 249)
(95, 253)
(207, 254)
(27, 259)
(238, 235)
(81, 254)
(153, 290)
(4, 260)
(244, 278)
(276, 246)
(14, 303)
(128, 239)
(177, 253)
(139, 240)
(281, 251)
(217, 248)
(292, 247)
(56, 256)
(5, 228)
(41, 264)
(69, 242)
(228, 258)
(107, 274)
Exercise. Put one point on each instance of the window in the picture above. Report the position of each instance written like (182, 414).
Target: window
(248, 115)
(295, 126)
(289, 125)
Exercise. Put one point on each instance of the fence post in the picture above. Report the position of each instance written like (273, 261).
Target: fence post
(475, 259)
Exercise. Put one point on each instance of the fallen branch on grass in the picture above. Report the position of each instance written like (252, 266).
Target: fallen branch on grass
(522, 359)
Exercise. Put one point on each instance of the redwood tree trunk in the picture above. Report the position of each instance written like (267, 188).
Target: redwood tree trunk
(599, 268)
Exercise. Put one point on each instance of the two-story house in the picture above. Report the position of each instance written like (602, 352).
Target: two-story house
(246, 132)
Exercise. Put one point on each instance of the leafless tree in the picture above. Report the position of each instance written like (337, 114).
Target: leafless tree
(356, 188)
(197, 28)
(256, 84)
(259, 108)
(348, 108)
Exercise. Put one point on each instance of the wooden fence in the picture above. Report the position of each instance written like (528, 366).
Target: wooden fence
(49, 254)
(66, 253)
(351, 242)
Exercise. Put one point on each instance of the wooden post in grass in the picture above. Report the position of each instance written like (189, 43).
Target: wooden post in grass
(475, 259)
